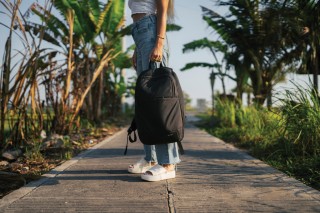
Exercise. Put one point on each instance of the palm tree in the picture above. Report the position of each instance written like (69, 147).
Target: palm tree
(259, 36)
(214, 47)
(83, 24)
(308, 18)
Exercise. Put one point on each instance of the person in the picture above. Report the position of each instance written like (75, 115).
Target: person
(149, 34)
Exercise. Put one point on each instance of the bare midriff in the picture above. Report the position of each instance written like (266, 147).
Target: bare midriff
(136, 17)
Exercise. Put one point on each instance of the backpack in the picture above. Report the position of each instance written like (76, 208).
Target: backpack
(159, 108)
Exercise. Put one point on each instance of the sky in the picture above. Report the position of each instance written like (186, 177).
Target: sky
(194, 82)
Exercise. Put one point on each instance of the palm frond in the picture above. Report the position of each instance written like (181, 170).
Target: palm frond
(173, 27)
(113, 17)
(102, 16)
(54, 24)
(48, 36)
(202, 44)
(93, 7)
(200, 64)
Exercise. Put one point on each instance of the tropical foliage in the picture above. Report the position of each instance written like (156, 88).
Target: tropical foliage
(261, 41)
(77, 73)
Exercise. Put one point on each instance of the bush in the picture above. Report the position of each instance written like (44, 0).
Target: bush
(247, 125)
(301, 121)
(226, 112)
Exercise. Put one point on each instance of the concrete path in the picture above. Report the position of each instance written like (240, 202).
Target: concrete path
(213, 177)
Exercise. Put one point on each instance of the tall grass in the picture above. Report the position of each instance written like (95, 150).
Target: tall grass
(258, 126)
(301, 120)
(246, 125)
(294, 127)
(226, 112)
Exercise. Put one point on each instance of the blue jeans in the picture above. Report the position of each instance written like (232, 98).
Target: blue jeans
(144, 33)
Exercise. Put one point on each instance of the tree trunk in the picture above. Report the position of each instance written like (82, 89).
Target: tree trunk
(212, 81)
(70, 61)
(256, 78)
(239, 89)
(269, 98)
(89, 104)
(248, 98)
(5, 88)
(315, 63)
(223, 86)
(98, 98)
(103, 62)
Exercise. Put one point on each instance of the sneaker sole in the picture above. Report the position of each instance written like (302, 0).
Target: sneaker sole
(165, 176)
(138, 171)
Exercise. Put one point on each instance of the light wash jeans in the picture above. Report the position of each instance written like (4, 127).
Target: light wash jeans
(144, 33)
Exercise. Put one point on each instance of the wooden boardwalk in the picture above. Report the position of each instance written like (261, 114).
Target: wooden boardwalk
(212, 177)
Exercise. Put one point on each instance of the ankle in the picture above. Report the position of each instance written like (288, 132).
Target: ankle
(168, 167)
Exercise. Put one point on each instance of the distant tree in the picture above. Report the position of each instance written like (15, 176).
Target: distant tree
(306, 16)
(259, 37)
(215, 67)
(214, 47)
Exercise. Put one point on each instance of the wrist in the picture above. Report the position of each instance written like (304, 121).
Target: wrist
(160, 37)
(159, 42)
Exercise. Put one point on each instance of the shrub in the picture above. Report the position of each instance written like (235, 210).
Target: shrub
(301, 121)
(226, 112)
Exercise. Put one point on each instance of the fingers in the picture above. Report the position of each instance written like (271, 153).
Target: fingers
(156, 54)
(156, 58)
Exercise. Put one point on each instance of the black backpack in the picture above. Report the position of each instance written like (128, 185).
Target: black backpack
(159, 108)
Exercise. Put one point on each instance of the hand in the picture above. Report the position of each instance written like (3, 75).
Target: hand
(134, 60)
(156, 54)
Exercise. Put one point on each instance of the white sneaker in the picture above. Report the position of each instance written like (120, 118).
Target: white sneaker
(157, 173)
(140, 166)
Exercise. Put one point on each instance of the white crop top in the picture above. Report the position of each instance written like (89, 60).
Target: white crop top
(143, 6)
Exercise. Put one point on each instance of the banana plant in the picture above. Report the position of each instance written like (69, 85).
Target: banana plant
(261, 36)
(88, 36)
(213, 47)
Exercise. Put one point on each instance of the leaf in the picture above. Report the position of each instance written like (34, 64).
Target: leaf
(113, 17)
(93, 7)
(102, 16)
(202, 44)
(122, 61)
(173, 27)
(199, 64)
(54, 25)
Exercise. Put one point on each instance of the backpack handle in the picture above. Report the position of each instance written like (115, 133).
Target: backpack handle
(154, 64)
(132, 128)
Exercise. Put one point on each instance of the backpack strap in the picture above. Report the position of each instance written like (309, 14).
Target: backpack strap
(181, 150)
(131, 129)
